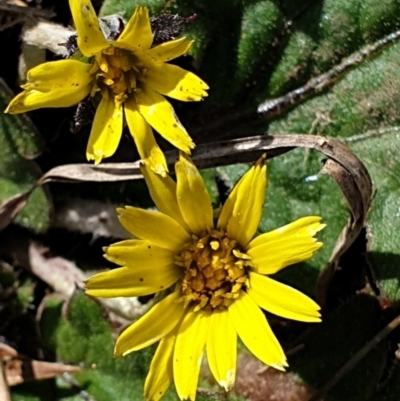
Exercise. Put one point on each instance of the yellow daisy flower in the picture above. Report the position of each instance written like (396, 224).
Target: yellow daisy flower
(218, 272)
(131, 78)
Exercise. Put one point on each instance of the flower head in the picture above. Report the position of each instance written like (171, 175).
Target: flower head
(218, 275)
(127, 77)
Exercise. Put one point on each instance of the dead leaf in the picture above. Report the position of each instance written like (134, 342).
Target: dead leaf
(7, 352)
(4, 390)
(19, 368)
(10, 208)
(59, 273)
(106, 172)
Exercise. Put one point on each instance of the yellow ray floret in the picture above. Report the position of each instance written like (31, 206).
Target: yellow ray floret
(217, 274)
(127, 77)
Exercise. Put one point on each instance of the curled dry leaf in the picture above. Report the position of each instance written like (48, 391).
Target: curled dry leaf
(19, 368)
(106, 172)
(11, 208)
(61, 274)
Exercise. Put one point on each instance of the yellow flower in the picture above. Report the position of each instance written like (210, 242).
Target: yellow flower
(128, 75)
(219, 273)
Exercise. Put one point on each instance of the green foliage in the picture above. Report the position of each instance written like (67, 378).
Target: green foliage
(373, 105)
(126, 8)
(85, 338)
(245, 53)
(381, 156)
(18, 144)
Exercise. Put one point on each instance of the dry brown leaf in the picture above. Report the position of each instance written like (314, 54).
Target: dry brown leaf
(7, 352)
(19, 368)
(10, 209)
(4, 390)
(59, 273)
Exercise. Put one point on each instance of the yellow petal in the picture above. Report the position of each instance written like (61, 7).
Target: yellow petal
(90, 37)
(128, 282)
(161, 116)
(293, 243)
(255, 332)
(106, 130)
(160, 375)
(163, 192)
(175, 82)
(282, 300)
(143, 136)
(221, 349)
(227, 208)
(169, 50)
(155, 227)
(32, 100)
(160, 320)
(193, 198)
(136, 252)
(58, 76)
(189, 348)
(248, 205)
(137, 34)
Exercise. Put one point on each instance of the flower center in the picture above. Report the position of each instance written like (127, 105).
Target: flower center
(118, 73)
(215, 271)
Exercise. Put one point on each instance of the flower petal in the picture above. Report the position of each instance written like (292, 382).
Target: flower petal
(128, 282)
(90, 37)
(134, 253)
(189, 348)
(58, 75)
(32, 100)
(227, 208)
(255, 332)
(249, 202)
(106, 130)
(169, 50)
(221, 349)
(175, 82)
(282, 300)
(155, 227)
(161, 116)
(193, 198)
(137, 33)
(163, 192)
(160, 375)
(143, 136)
(160, 320)
(293, 243)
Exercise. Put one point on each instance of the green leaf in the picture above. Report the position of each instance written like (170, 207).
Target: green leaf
(86, 338)
(18, 143)
(381, 156)
(127, 7)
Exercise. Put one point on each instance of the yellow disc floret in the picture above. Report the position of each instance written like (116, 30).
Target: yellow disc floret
(118, 73)
(215, 270)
